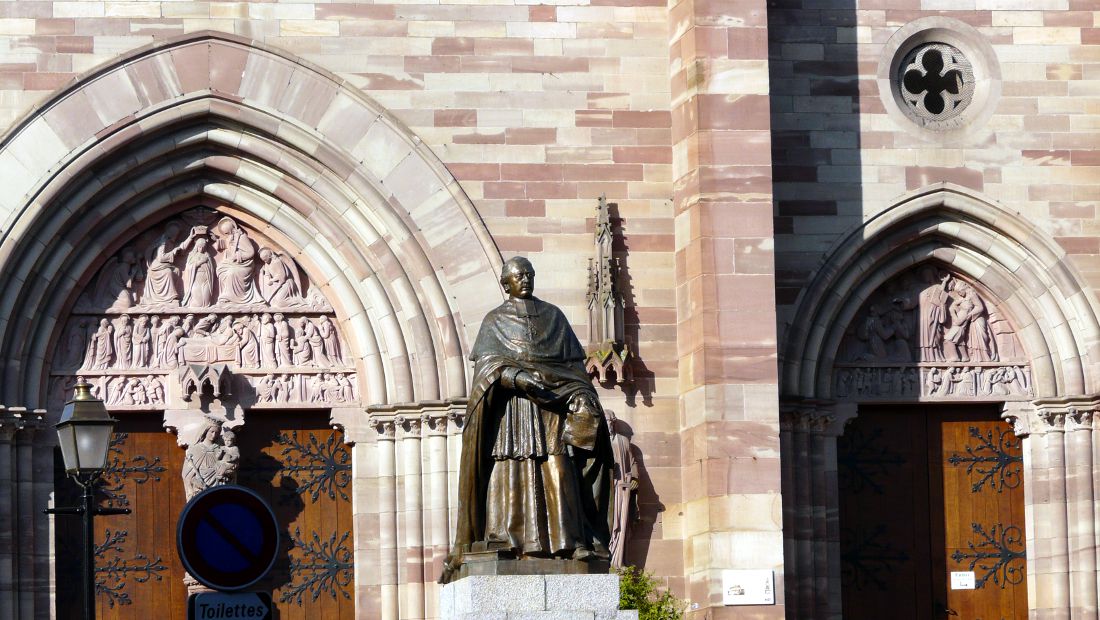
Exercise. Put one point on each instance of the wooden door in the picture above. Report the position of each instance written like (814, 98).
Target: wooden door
(295, 461)
(137, 572)
(927, 491)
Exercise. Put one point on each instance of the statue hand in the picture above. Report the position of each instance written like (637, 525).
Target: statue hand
(529, 384)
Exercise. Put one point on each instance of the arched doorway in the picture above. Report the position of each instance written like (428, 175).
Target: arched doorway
(325, 178)
(930, 480)
(843, 362)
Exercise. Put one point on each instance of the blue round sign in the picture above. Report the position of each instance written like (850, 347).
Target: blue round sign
(227, 537)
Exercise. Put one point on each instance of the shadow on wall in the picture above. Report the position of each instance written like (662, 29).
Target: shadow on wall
(815, 118)
(643, 380)
(816, 162)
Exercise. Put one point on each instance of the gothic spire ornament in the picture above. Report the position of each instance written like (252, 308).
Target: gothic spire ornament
(606, 354)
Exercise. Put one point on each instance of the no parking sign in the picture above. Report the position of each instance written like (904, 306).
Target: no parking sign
(227, 537)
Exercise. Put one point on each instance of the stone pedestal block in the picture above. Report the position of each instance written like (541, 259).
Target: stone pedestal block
(533, 597)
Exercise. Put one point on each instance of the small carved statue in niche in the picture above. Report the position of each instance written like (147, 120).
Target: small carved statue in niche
(198, 275)
(236, 258)
(626, 485)
(205, 463)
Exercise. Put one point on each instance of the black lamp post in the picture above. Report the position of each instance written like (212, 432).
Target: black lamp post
(84, 434)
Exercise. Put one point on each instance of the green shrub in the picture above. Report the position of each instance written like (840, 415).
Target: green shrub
(639, 590)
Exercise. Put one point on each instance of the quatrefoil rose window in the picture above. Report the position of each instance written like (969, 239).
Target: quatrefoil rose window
(936, 82)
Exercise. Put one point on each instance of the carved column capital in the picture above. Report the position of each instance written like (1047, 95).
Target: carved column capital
(1058, 415)
(384, 426)
(819, 417)
(409, 423)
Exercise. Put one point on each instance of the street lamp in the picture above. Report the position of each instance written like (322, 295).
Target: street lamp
(84, 434)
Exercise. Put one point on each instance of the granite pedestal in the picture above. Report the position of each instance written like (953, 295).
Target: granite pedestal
(533, 597)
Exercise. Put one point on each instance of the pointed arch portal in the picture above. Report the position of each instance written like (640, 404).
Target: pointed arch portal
(367, 209)
(287, 150)
(1019, 270)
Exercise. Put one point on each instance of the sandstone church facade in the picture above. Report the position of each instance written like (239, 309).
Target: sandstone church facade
(842, 291)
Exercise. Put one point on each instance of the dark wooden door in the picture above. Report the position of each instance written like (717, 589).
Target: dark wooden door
(299, 464)
(927, 491)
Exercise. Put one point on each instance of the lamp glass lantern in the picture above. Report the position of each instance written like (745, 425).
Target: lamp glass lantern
(84, 432)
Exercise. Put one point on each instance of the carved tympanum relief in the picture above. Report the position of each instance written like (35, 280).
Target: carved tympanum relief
(930, 335)
(203, 289)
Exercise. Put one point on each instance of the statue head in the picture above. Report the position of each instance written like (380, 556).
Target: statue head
(266, 255)
(518, 277)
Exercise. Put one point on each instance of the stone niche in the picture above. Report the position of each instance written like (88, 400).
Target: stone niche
(929, 334)
(202, 295)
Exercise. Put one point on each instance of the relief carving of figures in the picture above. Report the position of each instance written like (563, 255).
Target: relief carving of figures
(115, 289)
(76, 345)
(933, 315)
(198, 275)
(219, 294)
(236, 258)
(327, 331)
(282, 340)
(101, 349)
(946, 381)
(161, 272)
(309, 333)
(279, 282)
(948, 315)
(886, 332)
(248, 347)
(211, 461)
(142, 342)
(123, 341)
(267, 342)
(318, 388)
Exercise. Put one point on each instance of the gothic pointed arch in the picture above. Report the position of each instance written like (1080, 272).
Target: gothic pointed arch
(998, 252)
(283, 148)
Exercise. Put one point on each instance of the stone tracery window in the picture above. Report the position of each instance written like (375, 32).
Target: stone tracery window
(936, 82)
(201, 289)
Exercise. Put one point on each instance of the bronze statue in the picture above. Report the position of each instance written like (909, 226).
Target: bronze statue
(536, 455)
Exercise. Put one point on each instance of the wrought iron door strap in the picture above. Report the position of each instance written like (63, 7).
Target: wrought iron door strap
(322, 567)
(112, 572)
(997, 553)
(320, 467)
(991, 460)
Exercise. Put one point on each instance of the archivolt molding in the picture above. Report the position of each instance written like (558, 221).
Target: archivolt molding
(1013, 262)
(369, 212)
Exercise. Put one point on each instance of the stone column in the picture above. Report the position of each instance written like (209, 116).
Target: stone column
(388, 566)
(25, 548)
(1081, 531)
(1060, 511)
(811, 506)
(437, 529)
(411, 522)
